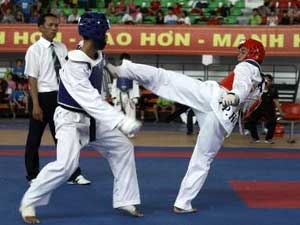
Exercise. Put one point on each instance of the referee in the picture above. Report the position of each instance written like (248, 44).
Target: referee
(43, 61)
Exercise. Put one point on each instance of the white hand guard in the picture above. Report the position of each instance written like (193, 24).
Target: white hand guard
(113, 70)
(230, 99)
(129, 126)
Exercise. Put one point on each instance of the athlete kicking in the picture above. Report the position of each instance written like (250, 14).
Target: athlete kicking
(216, 106)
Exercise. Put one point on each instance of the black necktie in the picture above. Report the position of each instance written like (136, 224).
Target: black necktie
(56, 62)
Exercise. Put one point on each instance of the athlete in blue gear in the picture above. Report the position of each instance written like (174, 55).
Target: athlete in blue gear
(80, 100)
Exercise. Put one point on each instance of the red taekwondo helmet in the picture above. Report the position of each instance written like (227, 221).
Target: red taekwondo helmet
(255, 48)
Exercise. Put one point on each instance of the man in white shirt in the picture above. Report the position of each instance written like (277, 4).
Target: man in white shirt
(41, 68)
(74, 16)
(216, 107)
(80, 103)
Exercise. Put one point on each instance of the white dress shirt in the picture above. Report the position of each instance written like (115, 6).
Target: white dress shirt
(39, 63)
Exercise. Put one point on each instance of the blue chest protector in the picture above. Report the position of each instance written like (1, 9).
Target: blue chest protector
(124, 84)
(67, 101)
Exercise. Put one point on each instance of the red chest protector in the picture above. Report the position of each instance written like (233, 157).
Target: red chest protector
(227, 81)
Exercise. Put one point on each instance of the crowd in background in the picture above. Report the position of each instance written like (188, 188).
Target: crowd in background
(211, 12)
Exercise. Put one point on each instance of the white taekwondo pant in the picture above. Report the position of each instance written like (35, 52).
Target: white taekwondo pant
(72, 133)
(204, 98)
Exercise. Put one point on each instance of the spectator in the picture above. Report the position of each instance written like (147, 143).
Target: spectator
(162, 104)
(11, 84)
(264, 10)
(20, 17)
(62, 18)
(266, 111)
(34, 16)
(111, 10)
(121, 8)
(184, 18)
(74, 16)
(8, 17)
(154, 7)
(285, 19)
(272, 19)
(214, 19)
(54, 8)
(25, 7)
(3, 89)
(255, 18)
(159, 18)
(18, 71)
(170, 18)
(177, 10)
(294, 15)
(18, 100)
(5, 5)
(134, 17)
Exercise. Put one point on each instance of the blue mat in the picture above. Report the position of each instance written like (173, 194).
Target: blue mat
(159, 180)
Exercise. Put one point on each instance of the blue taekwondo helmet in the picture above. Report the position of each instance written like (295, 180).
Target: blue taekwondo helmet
(93, 25)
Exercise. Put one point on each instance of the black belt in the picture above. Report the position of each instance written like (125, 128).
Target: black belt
(92, 120)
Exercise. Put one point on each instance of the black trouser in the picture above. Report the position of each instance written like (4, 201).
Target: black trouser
(179, 110)
(48, 103)
(270, 123)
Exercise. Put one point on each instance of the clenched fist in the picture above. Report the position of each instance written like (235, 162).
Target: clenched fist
(230, 99)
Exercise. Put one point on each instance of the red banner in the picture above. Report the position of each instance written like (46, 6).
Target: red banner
(170, 40)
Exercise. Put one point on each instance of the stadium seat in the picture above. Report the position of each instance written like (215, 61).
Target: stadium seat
(291, 115)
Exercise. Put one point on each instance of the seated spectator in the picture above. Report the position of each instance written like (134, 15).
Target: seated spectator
(162, 104)
(285, 19)
(255, 18)
(3, 90)
(18, 100)
(133, 18)
(110, 10)
(294, 15)
(131, 6)
(177, 9)
(34, 16)
(184, 18)
(265, 111)
(272, 19)
(20, 17)
(18, 71)
(155, 6)
(145, 10)
(214, 19)
(264, 10)
(170, 18)
(224, 9)
(159, 17)
(25, 7)
(74, 16)
(62, 18)
(121, 8)
(8, 17)
(5, 5)
(11, 83)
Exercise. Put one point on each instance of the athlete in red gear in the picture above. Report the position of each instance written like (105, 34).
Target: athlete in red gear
(216, 107)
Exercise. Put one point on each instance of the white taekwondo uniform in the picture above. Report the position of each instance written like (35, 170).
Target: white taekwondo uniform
(125, 94)
(79, 99)
(205, 98)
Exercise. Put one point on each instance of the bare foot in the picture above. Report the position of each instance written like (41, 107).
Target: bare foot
(181, 211)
